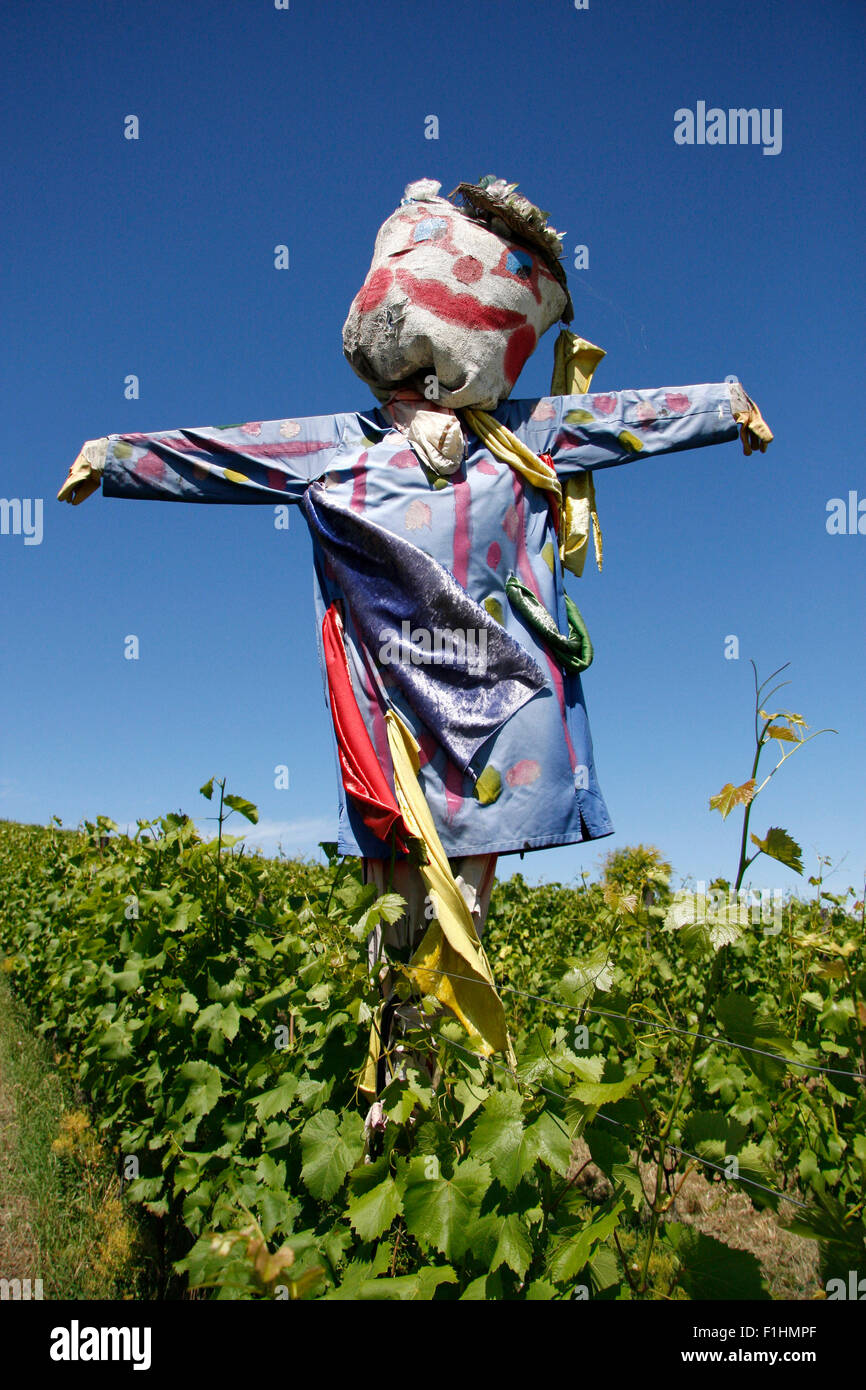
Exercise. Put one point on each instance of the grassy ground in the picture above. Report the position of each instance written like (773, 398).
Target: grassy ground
(61, 1217)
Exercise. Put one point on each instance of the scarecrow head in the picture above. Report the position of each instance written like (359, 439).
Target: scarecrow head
(457, 295)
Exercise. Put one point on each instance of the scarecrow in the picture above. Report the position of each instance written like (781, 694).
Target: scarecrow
(443, 521)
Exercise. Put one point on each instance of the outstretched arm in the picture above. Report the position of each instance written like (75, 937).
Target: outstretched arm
(261, 461)
(604, 429)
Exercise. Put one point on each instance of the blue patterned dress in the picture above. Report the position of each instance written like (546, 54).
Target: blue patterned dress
(525, 779)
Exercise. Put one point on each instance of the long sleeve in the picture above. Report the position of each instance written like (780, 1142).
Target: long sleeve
(266, 461)
(602, 430)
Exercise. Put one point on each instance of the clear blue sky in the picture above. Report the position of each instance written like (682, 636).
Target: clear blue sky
(261, 126)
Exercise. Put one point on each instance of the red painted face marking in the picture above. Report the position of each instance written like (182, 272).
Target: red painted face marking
(460, 308)
(374, 289)
(467, 270)
(520, 344)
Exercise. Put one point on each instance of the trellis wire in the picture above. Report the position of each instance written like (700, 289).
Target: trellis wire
(783, 1196)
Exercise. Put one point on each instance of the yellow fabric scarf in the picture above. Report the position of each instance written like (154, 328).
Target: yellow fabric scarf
(575, 360)
(450, 944)
(450, 962)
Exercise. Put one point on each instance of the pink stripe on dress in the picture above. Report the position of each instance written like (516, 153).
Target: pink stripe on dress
(462, 530)
(359, 484)
(525, 571)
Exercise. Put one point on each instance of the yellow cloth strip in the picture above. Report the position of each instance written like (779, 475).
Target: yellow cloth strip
(511, 450)
(367, 1084)
(580, 519)
(450, 944)
(575, 360)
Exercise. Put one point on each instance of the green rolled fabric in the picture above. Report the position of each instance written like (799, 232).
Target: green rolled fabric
(573, 653)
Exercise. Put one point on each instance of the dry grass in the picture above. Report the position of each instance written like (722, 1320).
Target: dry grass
(722, 1210)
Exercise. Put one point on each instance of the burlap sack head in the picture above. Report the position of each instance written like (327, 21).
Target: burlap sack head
(450, 297)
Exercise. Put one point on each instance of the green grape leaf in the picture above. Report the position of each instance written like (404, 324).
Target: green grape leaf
(513, 1247)
(627, 1176)
(500, 1139)
(540, 1290)
(470, 1095)
(372, 1212)
(439, 1210)
(476, 1292)
(743, 1024)
(713, 1135)
(277, 1100)
(569, 1258)
(551, 1141)
(244, 807)
(408, 1288)
(390, 907)
(145, 1189)
(544, 1060)
(708, 1269)
(595, 1093)
(205, 1089)
(779, 845)
(430, 1277)
(592, 972)
(221, 1020)
(329, 1152)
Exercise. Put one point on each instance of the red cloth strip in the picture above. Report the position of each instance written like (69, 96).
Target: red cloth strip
(362, 774)
(552, 499)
